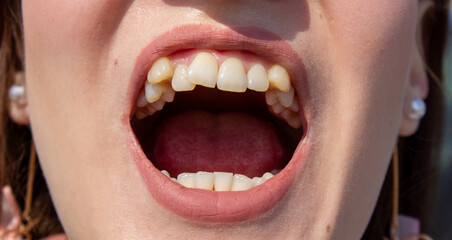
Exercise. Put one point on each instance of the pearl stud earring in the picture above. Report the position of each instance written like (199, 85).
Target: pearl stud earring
(416, 109)
(16, 94)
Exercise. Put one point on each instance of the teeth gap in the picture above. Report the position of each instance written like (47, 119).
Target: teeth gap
(220, 181)
(164, 80)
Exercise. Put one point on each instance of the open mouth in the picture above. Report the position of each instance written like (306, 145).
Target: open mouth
(216, 130)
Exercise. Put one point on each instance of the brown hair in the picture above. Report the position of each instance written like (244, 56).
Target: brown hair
(418, 153)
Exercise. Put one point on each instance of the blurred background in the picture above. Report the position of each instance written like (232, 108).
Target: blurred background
(441, 224)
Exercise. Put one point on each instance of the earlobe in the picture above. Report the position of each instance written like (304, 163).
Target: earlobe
(18, 106)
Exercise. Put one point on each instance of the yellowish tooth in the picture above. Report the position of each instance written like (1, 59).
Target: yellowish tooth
(286, 98)
(166, 173)
(279, 78)
(161, 70)
(158, 105)
(187, 180)
(277, 108)
(287, 113)
(232, 76)
(141, 100)
(257, 78)
(267, 175)
(223, 181)
(153, 91)
(203, 70)
(271, 97)
(168, 94)
(204, 180)
(257, 181)
(180, 82)
(241, 182)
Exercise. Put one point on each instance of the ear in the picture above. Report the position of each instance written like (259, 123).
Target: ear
(18, 110)
(417, 87)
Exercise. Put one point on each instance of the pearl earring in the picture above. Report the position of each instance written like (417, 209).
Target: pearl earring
(416, 109)
(16, 93)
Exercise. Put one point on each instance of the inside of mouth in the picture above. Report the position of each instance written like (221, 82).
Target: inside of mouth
(208, 130)
(217, 120)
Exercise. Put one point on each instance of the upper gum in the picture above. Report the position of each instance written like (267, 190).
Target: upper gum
(248, 59)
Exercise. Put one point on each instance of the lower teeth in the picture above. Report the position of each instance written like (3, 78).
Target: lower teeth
(220, 181)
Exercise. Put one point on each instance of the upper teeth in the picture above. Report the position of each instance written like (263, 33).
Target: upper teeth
(163, 80)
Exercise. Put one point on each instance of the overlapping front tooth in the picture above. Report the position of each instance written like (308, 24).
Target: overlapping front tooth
(180, 82)
(279, 78)
(203, 70)
(232, 76)
(161, 70)
(219, 181)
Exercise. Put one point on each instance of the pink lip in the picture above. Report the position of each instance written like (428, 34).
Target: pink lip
(204, 205)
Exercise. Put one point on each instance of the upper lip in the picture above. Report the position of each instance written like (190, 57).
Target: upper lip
(209, 205)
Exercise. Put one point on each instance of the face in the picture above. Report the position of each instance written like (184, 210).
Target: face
(327, 82)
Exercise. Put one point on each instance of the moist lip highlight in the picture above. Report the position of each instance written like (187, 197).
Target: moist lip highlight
(205, 205)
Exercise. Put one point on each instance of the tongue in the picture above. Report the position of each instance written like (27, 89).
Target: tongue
(230, 142)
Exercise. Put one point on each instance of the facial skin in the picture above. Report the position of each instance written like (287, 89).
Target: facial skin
(362, 66)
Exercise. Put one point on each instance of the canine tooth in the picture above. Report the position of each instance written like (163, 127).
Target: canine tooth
(154, 91)
(141, 100)
(277, 108)
(271, 97)
(204, 180)
(166, 173)
(223, 181)
(286, 98)
(168, 94)
(161, 70)
(257, 181)
(180, 82)
(232, 76)
(267, 175)
(279, 78)
(257, 78)
(241, 182)
(203, 70)
(186, 179)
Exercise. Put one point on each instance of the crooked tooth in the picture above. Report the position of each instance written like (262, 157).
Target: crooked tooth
(257, 78)
(204, 180)
(153, 91)
(203, 70)
(166, 173)
(267, 176)
(231, 76)
(180, 82)
(279, 78)
(187, 180)
(257, 181)
(286, 98)
(161, 70)
(223, 181)
(241, 182)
